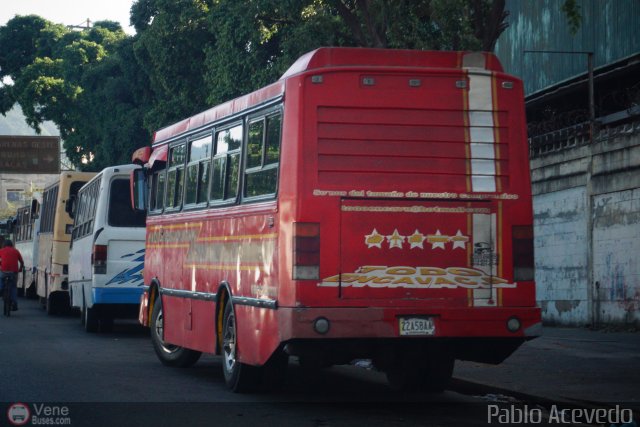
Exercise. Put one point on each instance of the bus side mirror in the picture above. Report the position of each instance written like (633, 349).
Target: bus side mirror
(138, 184)
(70, 206)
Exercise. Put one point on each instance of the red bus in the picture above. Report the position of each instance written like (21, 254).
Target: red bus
(369, 204)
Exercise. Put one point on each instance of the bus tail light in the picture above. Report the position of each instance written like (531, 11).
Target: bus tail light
(99, 259)
(523, 262)
(306, 251)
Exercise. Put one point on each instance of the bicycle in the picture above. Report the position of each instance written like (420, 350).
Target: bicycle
(6, 295)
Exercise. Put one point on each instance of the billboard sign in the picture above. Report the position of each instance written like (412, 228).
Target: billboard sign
(30, 154)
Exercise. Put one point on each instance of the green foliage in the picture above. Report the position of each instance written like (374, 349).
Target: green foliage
(84, 81)
(170, 48)
(571, 10)
(108, 91)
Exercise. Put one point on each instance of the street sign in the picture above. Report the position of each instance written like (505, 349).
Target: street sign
(30, 154)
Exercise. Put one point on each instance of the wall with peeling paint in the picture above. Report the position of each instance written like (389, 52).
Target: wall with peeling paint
(616, 238)
(560, 254)
(609, 29)
(593, 186)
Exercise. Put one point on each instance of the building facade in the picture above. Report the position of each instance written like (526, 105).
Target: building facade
(585, 166)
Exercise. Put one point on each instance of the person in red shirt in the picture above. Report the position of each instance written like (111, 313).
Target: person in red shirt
(10, 264)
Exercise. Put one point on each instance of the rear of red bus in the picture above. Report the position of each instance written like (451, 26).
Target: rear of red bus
(405, 212)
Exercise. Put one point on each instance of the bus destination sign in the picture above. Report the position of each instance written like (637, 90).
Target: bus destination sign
(30, 154)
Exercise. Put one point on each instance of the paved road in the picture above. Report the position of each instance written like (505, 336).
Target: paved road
(115, 379)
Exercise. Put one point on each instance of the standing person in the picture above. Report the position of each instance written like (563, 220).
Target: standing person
(10, 264)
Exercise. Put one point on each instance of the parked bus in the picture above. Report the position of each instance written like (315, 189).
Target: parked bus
(26, 241)
(54, 238)
(369, 204)
(107, 250)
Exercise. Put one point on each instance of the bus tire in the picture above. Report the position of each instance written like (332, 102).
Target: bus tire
(51, 305)
(169, 354)
(32, 291)
(437, 373)
(430, 374)
(106, 324)
(90, 319)
(239, 377)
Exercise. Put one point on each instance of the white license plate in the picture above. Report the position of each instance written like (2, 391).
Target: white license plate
(417, 326)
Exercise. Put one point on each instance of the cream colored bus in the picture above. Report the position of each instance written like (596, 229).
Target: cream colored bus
(55, 234)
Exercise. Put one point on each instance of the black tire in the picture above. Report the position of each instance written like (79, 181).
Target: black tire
(32, 291)
(52, 305)
(238, 376)
(90, 318)
(169, 354)
(106, 324)
(437, 374)
(431, 374)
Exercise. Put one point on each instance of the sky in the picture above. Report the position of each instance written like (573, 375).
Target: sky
(69, 12)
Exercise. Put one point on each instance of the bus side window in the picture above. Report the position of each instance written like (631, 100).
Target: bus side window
(156, 199)
(157, 191)
(77, 219)
(120, 213)
(175, 176)
(263, 156)
(226, 165)
(48, 209)
(197, 175)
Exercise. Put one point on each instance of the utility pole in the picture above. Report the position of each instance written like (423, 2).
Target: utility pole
(80, 26)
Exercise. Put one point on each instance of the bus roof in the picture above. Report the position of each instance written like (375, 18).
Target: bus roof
(356, 56)
(332, 57)
(221, 111)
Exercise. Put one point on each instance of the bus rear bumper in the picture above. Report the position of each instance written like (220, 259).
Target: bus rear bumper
(476, 334)
(371, 322)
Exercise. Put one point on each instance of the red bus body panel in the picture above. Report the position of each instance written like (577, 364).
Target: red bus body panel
(415, 167)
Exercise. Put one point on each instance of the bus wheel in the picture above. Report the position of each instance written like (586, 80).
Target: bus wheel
(32, 291)
(52, 305)
(437, 373)
(430, 374)
(238, 376)
(169, 354)
(90, 319)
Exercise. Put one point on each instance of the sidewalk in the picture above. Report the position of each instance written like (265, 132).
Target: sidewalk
(568, 364)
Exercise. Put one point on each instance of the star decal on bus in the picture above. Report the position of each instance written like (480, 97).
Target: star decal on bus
(395, 240)
(459, 240)
(437, 240)
(416, 240)
(374, 240)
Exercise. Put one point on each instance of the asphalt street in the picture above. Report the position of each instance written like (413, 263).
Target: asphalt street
(116, 379)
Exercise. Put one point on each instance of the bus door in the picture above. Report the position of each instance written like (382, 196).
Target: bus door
(443, 251)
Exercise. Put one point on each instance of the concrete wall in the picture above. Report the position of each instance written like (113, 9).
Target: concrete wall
(587, 229)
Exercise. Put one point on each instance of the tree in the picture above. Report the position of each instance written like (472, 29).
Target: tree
(107, 91)
(83, 81)
(170, 48)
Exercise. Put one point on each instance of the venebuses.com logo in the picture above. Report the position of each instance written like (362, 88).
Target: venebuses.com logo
(20, 414)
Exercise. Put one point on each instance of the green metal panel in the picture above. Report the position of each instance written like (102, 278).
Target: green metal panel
(610, 29)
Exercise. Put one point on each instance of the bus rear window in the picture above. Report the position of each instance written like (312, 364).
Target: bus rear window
(120, 212)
